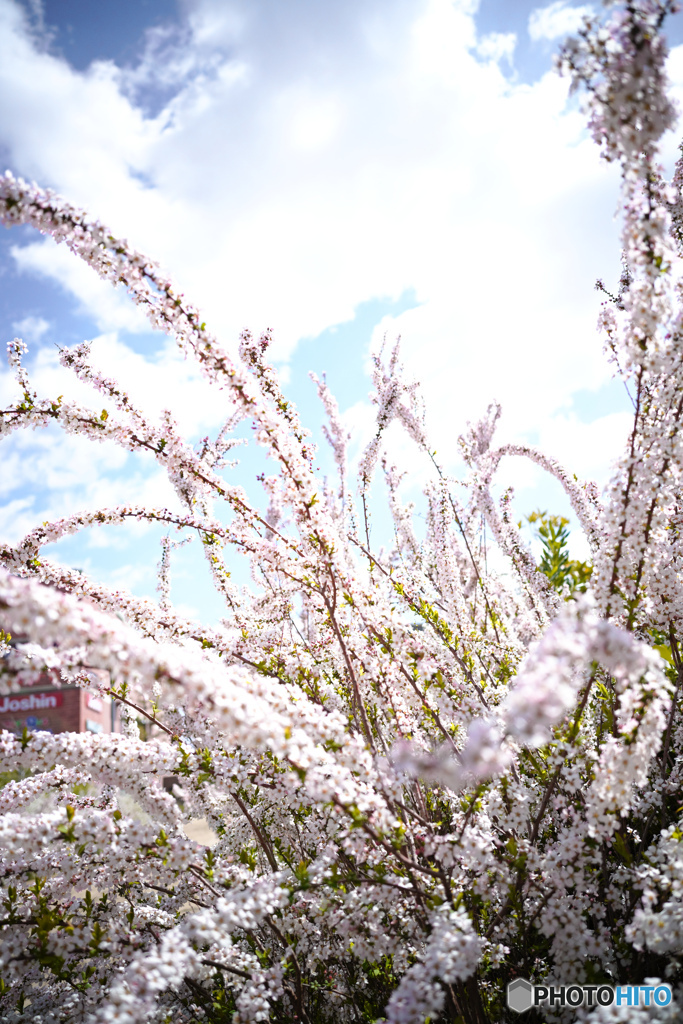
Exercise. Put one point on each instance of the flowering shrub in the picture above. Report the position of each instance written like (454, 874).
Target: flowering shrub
(426, 778)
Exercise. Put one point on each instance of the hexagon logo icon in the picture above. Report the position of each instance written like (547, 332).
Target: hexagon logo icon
(520, 995)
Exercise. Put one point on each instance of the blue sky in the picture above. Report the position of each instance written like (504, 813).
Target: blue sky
(336, 171)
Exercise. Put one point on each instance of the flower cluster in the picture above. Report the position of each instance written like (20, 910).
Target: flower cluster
(424, 777)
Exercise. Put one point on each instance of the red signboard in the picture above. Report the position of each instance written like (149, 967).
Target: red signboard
(29, 702)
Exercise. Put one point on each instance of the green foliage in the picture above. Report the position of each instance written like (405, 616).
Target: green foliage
(555, 563)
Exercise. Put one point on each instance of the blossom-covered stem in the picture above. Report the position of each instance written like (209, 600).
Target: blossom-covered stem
(676, 655)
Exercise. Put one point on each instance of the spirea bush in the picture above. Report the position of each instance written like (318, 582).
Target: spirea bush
(427, 778)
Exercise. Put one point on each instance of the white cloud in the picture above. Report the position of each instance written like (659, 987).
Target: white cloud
(31, 328)
(110, 308)
(596, 445)
(556, 20)
(169, 381)
(295, 174)
(497, 46)
(61, 126)
(66, 472)
(16, 519)
(314, 123)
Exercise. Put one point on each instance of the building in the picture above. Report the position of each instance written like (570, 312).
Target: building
(57, 709)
